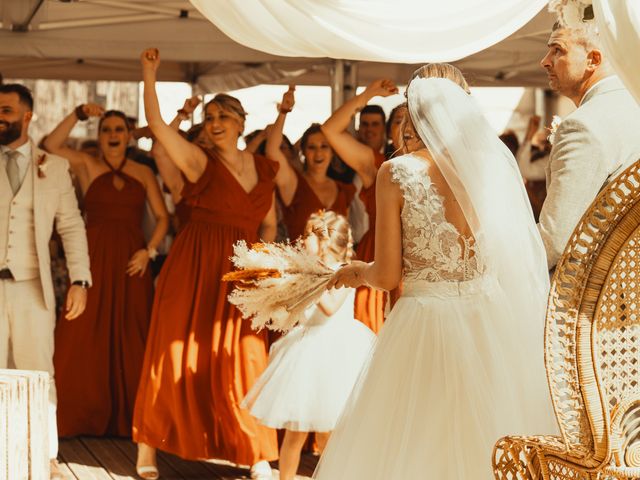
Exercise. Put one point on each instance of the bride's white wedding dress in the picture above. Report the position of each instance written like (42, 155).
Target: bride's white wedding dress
(453, 369)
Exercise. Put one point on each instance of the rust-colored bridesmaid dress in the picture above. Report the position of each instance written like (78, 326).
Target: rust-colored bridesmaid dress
(201, 357)
(369, 302)
(98, 356)
(305, 202)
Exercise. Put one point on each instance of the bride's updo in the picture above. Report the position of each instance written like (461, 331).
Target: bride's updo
(333, 233)
(442, 70)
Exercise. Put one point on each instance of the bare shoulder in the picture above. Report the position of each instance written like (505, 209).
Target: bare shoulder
(387, 182)
(141, 172)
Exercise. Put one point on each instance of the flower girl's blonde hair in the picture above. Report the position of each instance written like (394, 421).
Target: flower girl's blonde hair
(333, 233)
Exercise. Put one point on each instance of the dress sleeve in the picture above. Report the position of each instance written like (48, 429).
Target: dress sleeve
(267, 169)
(194, 189)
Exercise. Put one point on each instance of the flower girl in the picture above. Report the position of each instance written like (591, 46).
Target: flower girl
(313, 368)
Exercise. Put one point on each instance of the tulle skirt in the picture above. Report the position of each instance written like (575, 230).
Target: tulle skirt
(452, 372)
(311, 373)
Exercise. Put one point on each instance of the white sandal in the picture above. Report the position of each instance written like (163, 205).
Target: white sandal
(148, 472)
(261, 470)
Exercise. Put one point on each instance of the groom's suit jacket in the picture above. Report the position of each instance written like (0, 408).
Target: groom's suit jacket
(54, 201)
(591, 146)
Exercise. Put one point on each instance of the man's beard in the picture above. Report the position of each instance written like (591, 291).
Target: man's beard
(11, 133)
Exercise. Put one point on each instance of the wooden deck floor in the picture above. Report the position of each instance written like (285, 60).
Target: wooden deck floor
(88, 458)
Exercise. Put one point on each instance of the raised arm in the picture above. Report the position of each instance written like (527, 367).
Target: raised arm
(286, 179)
(254, 143)
(385, 272)
(190, 159)
(169, 172)
(358, 156)
(55, 141)
(140, 259)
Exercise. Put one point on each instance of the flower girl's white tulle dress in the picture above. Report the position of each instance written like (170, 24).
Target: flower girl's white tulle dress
(452, 371)
(312, 371)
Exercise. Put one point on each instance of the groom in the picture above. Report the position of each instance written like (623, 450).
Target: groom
(35, 192)
(593, 144)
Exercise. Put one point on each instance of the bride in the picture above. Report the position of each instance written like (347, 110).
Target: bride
(459, 361)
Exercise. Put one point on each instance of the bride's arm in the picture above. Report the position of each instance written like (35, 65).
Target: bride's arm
(385, 272)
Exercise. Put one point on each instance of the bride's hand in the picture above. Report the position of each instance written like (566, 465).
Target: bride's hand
(351, 275)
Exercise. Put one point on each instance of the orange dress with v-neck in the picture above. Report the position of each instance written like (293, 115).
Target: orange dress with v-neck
(202, 357)
(305, 202)
(98, 356)
(369, 302)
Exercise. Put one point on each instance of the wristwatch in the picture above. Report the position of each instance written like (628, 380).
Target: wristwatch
(81, 283)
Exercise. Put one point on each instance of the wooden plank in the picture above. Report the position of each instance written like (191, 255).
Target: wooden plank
(190, 469)
(227, 471)
(130, 450)
(66, 471)
(308, 463)
(112, 459)
(81, 461)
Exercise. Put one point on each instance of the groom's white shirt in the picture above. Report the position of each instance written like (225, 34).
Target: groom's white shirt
(592, 145)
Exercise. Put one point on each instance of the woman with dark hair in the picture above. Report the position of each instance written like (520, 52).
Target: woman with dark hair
(98, 357)
(305, 193)
(202, 357)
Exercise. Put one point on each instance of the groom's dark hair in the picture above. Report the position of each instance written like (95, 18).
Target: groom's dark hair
(24, 94)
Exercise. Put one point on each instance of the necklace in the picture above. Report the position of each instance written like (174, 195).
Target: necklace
(240, 158)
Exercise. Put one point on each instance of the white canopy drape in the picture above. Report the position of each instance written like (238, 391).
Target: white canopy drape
(619, 26)
(405, 31)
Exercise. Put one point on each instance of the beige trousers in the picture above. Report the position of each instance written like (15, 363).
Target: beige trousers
(26, 338)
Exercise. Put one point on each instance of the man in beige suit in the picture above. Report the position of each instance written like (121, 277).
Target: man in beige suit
(35, 193)
(593, 144)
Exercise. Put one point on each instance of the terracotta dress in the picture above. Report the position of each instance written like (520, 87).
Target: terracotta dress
(369, 303)
(98, 356)
(305, 202)
(201, 357)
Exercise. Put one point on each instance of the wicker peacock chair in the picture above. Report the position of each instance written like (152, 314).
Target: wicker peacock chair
(592, 350)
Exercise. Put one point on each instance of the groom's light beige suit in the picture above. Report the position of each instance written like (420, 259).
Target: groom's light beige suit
(27, 304)
(591, 146)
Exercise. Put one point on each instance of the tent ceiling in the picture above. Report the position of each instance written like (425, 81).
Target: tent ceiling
(102, 40)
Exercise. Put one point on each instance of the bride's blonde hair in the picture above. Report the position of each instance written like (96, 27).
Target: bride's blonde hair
(442, 70)
(333, 233)
(430, 70)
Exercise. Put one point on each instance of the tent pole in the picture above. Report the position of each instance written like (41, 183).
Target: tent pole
(351, 80)
(24, 26)
(337, 84)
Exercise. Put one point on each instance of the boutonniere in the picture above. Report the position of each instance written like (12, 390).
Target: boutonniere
(42, 166)
(555, 123)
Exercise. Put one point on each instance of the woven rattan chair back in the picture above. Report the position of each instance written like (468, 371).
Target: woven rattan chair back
(592, 344)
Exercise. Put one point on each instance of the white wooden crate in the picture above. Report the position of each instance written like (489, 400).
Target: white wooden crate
(24, 430)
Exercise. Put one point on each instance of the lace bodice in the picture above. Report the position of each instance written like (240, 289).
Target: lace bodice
(432, 248)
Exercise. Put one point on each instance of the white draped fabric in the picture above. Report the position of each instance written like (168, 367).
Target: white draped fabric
(619, 26)
(406, 31)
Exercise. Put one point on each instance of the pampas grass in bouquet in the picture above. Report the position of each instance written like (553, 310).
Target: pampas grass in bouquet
(275, 283)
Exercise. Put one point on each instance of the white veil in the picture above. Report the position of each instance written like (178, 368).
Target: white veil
(484, 177)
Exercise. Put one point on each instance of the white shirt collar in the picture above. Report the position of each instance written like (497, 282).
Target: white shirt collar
(24, 150)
